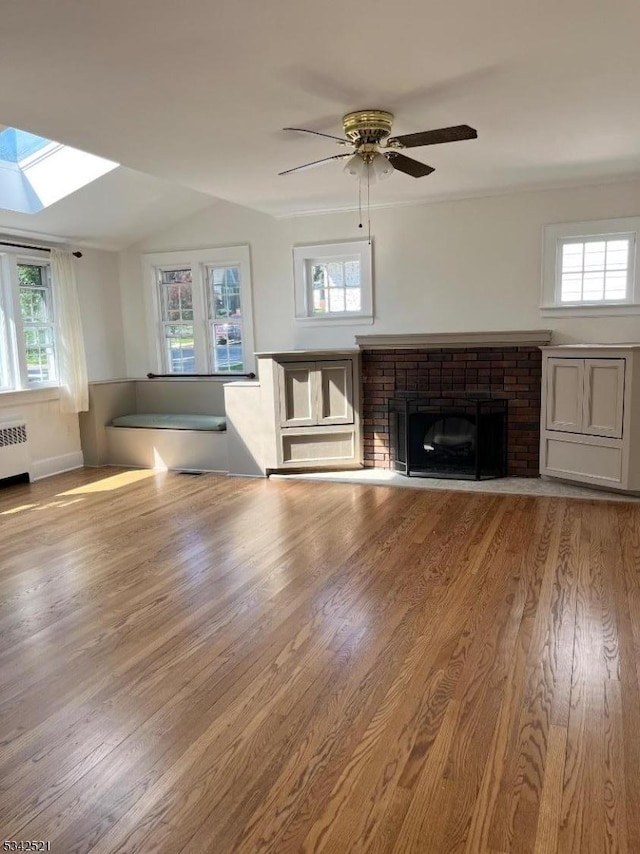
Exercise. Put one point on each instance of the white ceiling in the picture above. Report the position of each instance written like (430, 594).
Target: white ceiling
(196, 93)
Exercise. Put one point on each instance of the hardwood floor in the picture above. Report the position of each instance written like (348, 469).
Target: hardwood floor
(224, 665)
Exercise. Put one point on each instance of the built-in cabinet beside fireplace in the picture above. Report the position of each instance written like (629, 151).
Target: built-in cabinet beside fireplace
(312, 399)
(590, 422)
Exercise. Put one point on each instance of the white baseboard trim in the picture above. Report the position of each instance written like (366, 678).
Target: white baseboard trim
(56, 465)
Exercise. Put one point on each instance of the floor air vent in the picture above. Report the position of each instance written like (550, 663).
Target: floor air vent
(15, 458)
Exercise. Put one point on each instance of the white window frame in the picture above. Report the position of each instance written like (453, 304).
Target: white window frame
(198, 260)
(12, 347)
(162, 323)
(557, 235)
(303, 256)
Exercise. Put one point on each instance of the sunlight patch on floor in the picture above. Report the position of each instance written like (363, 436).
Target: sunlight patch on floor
(115, 481)
(19, 509)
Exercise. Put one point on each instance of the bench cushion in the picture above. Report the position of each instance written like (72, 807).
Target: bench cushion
(167, 421)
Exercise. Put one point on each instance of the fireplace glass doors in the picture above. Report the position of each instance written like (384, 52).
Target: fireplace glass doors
(449, 437)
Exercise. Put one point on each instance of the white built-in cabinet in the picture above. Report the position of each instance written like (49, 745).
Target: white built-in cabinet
(315, 393)
(590, 430)
(313, 401)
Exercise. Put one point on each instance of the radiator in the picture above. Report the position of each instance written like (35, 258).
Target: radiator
(15, 457)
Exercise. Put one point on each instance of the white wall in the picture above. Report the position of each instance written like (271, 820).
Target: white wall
(463, 265)
(54, 438)
(97, 275)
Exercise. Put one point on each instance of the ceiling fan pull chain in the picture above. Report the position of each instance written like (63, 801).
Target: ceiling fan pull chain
(360, 203)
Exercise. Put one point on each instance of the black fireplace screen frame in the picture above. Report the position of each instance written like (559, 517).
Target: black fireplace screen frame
(482, 457)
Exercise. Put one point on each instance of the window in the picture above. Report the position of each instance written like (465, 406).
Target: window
(591, 267)
(225, 318)
(176, 313)
(594, 269)
(36, 311)
(201, 305)
(27, 324)
(333, 282)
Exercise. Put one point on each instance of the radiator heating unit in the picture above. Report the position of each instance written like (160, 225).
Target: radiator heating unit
(15, 458)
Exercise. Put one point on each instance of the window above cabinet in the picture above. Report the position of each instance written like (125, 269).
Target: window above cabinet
(333, 283)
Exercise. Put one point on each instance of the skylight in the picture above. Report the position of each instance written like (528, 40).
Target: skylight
(36, 172)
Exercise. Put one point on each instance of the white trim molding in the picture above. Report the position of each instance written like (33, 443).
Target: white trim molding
(49, 466)
(429, 340)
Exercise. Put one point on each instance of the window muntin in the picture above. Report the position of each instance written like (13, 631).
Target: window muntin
(226, 333)
(38, 330)
(176, 313)
(594, 269)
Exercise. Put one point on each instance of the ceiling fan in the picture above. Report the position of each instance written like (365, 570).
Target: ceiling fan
(374, 152)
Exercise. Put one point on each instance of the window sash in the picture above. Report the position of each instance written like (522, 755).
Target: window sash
(179, 358)
(46, 372)
(582, 275)
(24, 364)
(329, 297)
(226, 350)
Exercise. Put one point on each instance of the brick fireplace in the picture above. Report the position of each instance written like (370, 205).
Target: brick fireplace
(506, 364)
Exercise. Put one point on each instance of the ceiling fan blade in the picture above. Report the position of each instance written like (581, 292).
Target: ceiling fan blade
(340, 140)
(315, 163)
(434, 137)
(408, 165)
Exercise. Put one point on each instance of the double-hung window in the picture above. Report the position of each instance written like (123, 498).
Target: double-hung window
(200, 307)
(27, 323)
(591, 267)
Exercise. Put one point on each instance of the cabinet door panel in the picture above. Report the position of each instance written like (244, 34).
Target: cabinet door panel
(335, 401)
(297, 393)
(564, 394)
(603, 397)
(321, 447)
(582, 461)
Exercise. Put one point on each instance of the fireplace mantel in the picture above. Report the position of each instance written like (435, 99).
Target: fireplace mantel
(426, 340)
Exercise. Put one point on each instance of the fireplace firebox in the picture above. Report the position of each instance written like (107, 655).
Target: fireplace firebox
(461, 437)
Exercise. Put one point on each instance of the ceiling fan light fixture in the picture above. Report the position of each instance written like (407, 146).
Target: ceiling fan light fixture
(355, 167)
(381, 167)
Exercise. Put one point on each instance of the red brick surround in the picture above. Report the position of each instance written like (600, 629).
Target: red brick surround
(514, 371)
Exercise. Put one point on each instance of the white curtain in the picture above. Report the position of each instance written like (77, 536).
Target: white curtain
(72, 364)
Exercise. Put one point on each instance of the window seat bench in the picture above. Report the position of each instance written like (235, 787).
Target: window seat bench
(173, 424)
(171, 421)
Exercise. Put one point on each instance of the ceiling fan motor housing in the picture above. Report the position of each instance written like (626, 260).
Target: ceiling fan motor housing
(367, 127)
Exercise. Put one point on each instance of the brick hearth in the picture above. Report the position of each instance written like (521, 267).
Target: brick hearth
(514, 371)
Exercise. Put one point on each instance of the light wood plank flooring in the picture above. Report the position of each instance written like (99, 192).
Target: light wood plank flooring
(228, 666)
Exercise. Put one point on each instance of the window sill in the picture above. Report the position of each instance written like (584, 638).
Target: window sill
(338, 320)
(29, 395)
(619, 310)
